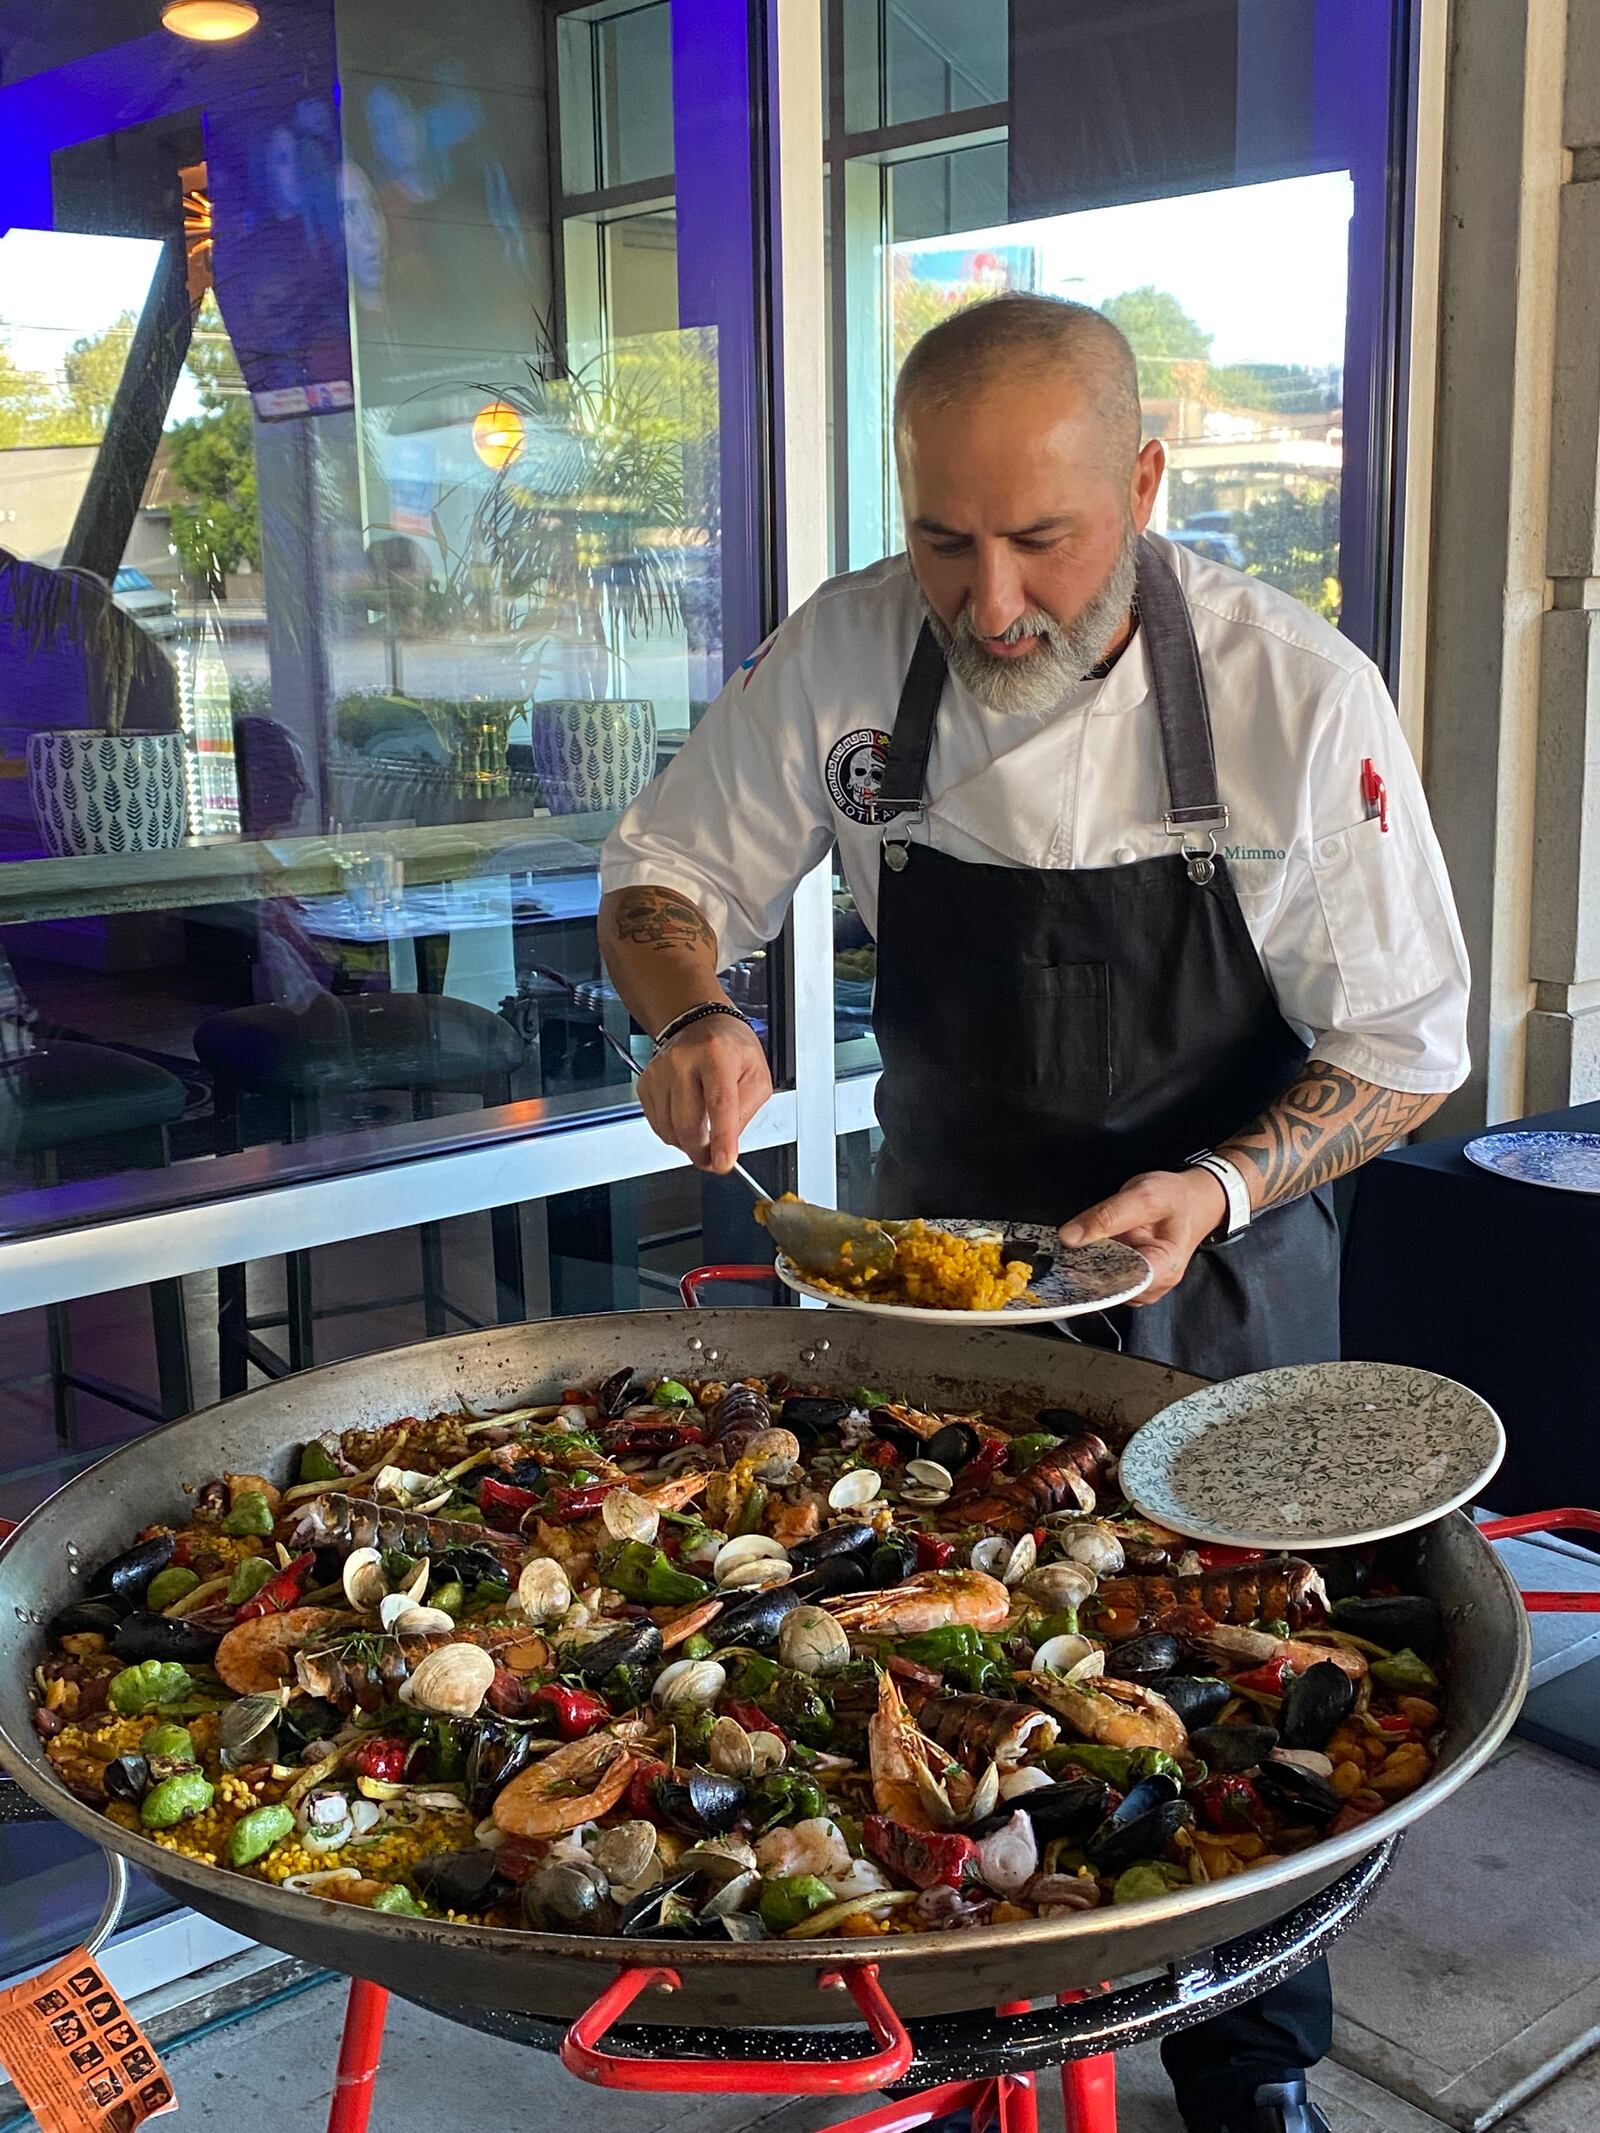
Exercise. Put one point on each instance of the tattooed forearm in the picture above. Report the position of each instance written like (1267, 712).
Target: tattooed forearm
(659, 918)
(1327, 1122)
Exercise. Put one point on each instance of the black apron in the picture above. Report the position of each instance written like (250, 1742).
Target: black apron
(1048, 1033)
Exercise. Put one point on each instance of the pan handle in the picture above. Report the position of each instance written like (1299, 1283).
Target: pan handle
(702, 1277)
(1568, 1520)
(580, 2054)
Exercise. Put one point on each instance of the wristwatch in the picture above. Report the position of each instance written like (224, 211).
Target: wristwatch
(1237, 1193)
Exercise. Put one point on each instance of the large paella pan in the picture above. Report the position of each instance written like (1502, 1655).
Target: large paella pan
(1021, 1939)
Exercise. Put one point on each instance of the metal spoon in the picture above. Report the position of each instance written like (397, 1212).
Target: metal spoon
(813, 1237)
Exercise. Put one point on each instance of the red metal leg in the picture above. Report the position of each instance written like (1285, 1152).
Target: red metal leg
(703, 1277)
(1016, 2099)
(1569, 1520)
(1088, 2088)
(359, 2052)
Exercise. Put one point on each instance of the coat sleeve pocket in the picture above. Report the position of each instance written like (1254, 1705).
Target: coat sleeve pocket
(1381, 947)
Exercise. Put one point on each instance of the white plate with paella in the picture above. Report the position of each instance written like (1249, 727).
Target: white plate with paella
(986, 1274)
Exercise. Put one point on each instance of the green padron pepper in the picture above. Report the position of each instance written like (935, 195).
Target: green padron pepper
(148, 1686)
(961, 1653)
(790, 1899)
(1033, 1444)
(1121, 1767)
(669, 1393)
(254, 1834)
(640, 1572)
(786, 1796)
(317, 1463)
(169, 1586)
(250, 1518)
(693, 1723)
(398, 1902)
(168, 1749)
(175, 1799)
(1406, 1674)
(1151, 1877)
(248, 1578)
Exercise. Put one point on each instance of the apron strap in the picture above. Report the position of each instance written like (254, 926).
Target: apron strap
(1193, 801)
(905, 770)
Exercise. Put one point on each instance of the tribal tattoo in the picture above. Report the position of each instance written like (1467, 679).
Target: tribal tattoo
(660, 918)
(1325, 1123)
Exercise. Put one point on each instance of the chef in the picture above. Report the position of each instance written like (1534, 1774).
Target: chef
(1165, 941)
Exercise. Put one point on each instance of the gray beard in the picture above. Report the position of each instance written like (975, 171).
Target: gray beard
(1065, 655)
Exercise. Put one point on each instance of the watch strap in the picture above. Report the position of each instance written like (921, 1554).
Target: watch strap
(1235, 1191)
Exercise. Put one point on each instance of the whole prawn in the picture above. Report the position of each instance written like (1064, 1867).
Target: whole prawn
(257, 1657)
(581, 1781)
(907, 1768)
(1114, 1714)
(933, 1599)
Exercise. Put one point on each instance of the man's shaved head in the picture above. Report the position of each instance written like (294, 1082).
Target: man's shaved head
(1028, 341)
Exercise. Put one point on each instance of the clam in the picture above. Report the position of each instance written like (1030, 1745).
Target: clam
(929, 1476)
(924, 1499)
(733, 1896)
(718, 1858)
(1093, 1544)
(767, 1753)
(625, 1854)
(1030, 1778)
(395, 1604)
(249, 1730)
(1059, 1586)
(409, 1620)
(560, 1897)
(811, 1642)
(746, 1548)
(772, 1454)
(544, 1590)
(450, 1682)
(853, 1490)
(759, 1575)
(363, 1579)
(692, 1681)
(627, 1517)
(1002, 1557)
(1059, 1655)
(1024, 1555)
(728, 1750)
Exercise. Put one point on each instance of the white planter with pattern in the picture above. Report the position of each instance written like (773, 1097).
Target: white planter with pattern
(593, 756)
(96, 792)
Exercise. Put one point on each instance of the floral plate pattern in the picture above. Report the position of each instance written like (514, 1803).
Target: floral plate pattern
(1079, 1278)
(1320, 1455)
(1570, 1162)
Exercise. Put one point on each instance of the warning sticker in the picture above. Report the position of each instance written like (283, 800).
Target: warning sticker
(78, 2059)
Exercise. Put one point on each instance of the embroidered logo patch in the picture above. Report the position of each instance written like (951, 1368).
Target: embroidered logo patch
(854, 773)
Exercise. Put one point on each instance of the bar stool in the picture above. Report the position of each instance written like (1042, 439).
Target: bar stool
(426, 1044)
(69, 1093)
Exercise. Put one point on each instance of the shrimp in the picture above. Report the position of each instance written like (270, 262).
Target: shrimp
(933, 1599)
(256, 1658)
(1235, 1650)
(814, 1847)
(688, 1622)
(577, 1783)
(1116, 1714)
(903, 1763)
(795, 1522)
(677, 1490)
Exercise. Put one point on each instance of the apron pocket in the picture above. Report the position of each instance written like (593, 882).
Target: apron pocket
(1039, 1027)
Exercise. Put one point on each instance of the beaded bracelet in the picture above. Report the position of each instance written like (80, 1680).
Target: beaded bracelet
(691, 1015)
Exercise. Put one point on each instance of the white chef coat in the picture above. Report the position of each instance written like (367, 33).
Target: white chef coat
(1356, 926)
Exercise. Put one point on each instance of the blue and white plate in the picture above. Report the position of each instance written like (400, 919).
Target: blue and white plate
(1570, 1162)
(1079, 1278)
(1320, 1455)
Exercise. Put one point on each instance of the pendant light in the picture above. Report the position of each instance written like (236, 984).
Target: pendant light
(210, 21)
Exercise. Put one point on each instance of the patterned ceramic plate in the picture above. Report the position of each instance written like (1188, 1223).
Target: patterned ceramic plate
(1568, 1161)
(1086, 1277)
(1322, 1455)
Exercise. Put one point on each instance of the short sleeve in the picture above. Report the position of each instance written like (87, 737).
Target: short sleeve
(1364, 949)
(740, 815)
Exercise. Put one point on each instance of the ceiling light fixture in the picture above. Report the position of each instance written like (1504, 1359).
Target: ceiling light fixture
(210, 21)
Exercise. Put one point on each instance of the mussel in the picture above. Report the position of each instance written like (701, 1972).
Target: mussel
(1298, 1794)
(840, 1573)
(893, 1559)
(468, 1566)
(127, 1777)
(953, 1445)
(1231, 1748)
(495, 1755)
(1072, 1809)
(1144, 1659)
(125, 1577)
(1313, 1704)
(832, 1541)
(1145, 1822)
(617, 1392)
(145, 1636)
(809, 1416)
(460, 1881)
(706, 1802)
(568, 1895)
(754, 1618)
(1197, 1698)
(85, 1617)
(890, 1427)
(1065, 1421)
(663, 1912)
(1407, 1622)
(635, 1644)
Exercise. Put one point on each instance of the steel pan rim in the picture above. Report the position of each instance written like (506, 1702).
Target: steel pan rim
(893, 1950)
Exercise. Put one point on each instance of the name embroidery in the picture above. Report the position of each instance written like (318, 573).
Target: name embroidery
(1253, 851)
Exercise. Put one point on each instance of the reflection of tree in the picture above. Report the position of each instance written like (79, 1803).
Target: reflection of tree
(1292, 540)
(1168, 345)
(214, 527)
(36, 408)
(919, 305)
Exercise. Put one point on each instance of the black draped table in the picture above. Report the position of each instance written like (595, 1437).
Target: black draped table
(1495, 1283)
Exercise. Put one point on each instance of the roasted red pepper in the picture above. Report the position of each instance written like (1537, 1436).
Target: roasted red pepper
(565, 1506)
(752, 1718)
(384, 1756)
(1228, 1803)
(504, 1505)
(641, 1791)
(280, 1592)
(880, 1454)
(577, 1710)
(927, 1858)
(655, 1438)
(933, 1554)
(987, 1461)
(1264, 1680)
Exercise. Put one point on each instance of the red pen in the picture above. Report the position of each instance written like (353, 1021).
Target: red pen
(1375, 793)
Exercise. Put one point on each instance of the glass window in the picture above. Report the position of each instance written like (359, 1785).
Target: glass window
(361, 507)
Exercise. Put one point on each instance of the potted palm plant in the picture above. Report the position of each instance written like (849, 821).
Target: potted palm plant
(578, 542)
(76, 658)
